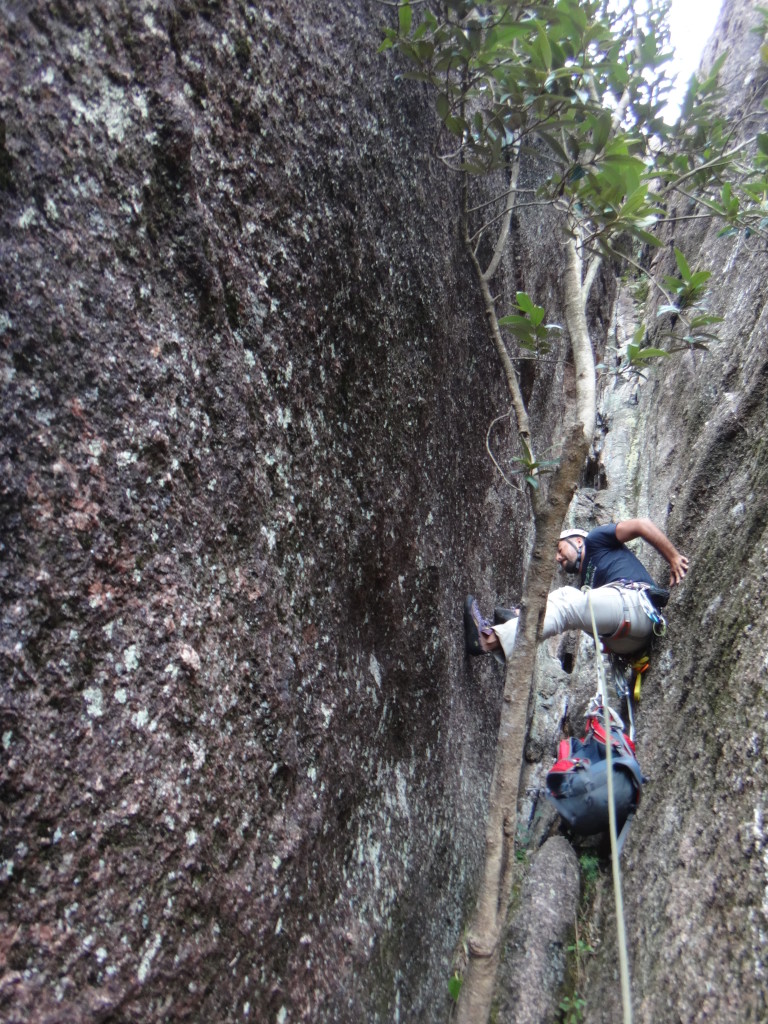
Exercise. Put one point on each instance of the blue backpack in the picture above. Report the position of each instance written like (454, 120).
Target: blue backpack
(577, 783)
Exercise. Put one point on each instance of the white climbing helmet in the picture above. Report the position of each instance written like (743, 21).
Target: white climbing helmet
(568, 534)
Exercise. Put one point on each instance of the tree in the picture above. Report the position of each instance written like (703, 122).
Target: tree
(578, 86)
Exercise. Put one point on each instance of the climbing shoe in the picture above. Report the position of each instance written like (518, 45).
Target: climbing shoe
(474, 625)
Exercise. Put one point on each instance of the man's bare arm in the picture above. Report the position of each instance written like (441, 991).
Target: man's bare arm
(628, 529)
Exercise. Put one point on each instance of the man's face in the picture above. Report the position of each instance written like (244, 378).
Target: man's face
(568, 554)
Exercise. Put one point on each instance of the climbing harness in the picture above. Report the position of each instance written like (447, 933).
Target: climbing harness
(628, 669)
(645, 592)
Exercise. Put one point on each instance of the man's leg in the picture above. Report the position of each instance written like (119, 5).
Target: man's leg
(620, 616)
(506, 633)
(568, 608)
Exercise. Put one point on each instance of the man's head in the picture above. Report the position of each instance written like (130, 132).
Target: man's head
(570, 548)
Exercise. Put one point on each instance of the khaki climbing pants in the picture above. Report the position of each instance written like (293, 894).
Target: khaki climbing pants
(622, 621)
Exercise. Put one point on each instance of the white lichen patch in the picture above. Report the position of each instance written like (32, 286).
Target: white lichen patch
(131, 658)
(112, 113)
(375, 669)
(149, 955)
(51, 209)
(139, 100)
(141, 718)
(761, 847)
(28, 217)
(198, 753)
(712, 609)
(190, 657)
(94, 701)
(401, 789)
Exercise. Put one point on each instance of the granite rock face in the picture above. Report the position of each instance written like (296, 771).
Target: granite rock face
(695, 862)
(243, 492)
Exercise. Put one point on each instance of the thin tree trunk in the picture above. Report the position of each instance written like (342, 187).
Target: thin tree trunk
(521, 414)
(576, 291)
(489, 921)
(549, 511)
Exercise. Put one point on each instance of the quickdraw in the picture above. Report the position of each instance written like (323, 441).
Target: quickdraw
(639, 666)
(659, 623)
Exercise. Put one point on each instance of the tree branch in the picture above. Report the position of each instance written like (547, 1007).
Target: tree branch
(509, 205)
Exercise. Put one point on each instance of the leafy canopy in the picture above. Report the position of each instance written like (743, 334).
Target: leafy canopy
(579, 83)
(582, 85)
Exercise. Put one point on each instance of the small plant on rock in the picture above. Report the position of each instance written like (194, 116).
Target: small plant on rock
(572, 1009)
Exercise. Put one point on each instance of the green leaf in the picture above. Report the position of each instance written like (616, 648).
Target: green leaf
(537, 315)
(454, 987)
(682, 265)
(405, 17)
(705, 318)
(698, 278)
(515, 322)
(645, 236)
(635, 202)
(649, 353)
(601, 131)
(456, 125)
(545, 48)
(524, 302)
(390, 38)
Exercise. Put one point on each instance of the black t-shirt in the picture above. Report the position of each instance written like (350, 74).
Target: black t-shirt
(606, 560)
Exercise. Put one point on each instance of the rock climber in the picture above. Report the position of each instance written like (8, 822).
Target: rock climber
(623, 595)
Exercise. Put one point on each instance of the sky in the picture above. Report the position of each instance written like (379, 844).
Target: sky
(691, 25)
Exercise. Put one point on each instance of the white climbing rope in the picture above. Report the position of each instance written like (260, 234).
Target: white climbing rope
(621, 931)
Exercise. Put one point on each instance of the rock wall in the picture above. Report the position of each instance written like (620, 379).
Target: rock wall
(695, 865)
(243, 492)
